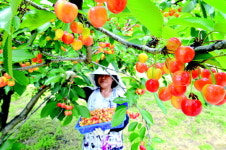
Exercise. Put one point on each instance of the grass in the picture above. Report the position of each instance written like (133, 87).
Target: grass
(171, 131)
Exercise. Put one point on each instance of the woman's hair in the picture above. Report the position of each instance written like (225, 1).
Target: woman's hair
(114, 83)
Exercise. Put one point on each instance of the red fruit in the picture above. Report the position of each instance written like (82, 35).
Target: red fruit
(142, 147)
(220, 78)
(195, 73)
(141, 67)
(65, 11)
(116, 6)
(140, 91)
(69, 107)
(67, 38)
(177, 90)
(222, 102)
(100, 1)
(164, 94)
(152, 85)
(67, 113)
(176, 101)
(86, 40)
(172, 44)
(59, 104)
(205, 73)
(213, 94)
(191, 107)
(200, 83)
(181, 78)
(39, 56)
(76, 27)
(97, 16)
(174, 65)
(184, 54)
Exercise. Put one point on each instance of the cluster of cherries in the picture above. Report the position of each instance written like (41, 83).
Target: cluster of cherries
(172, 12)
(209, 82)
(34, 61)
(98, 116)
(68, 108)
(6, 79)
(67, 12)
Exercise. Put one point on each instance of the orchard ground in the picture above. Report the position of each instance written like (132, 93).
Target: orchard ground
(171, 131)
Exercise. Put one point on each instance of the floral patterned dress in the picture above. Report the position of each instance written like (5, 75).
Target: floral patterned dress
(113, 140)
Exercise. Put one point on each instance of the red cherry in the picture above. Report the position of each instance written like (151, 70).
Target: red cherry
(67, 38)
(191, 107)
(200, 83)
(97, 16)
(205, 73)
(174, 65)
(181, 78)
(172, 44)
(141, 67)
(222, 102)
(195, 73)
(142, 147)
(213, 94)
(177, 90)
(65, 11)
(164, 94)
(152, 85)
(184, 54)
(116, 6)
(220, 78)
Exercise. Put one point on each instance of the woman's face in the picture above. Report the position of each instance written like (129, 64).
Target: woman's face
(104, 81)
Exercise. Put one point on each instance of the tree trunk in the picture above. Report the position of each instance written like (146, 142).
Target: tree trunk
(6, 99)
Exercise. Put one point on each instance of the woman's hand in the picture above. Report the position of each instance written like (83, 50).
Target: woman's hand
(99, 131)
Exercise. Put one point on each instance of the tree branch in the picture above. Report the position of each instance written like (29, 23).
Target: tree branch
(24, 113)
(215, 46)
(128, 44)
(36, 5)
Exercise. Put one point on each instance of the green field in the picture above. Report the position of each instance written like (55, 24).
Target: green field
(171, 131)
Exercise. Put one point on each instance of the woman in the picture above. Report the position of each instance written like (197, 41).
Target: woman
(107, 86)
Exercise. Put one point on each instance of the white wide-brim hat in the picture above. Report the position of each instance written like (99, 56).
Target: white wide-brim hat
(110, 70)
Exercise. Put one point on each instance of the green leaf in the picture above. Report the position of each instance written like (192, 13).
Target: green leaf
(189, 6)
(73, 94)
(168, 32)
(148, 14)
(53, 79)
(220, 27)
(19, 55)
(157, 140)
(80, 91)
(14, 5)
(160, 104)
(19, 89)
(203, 23)
(5, 15)
(120, 100)
(134, 146)
(119, 116)
(142, 132)
(219, 4)
(83, 111)
(147, 116)
(7, 54)
(48, 108)
(133, 136)
(67, 120)
(20, 77)
(132, 126)
(35, 18)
